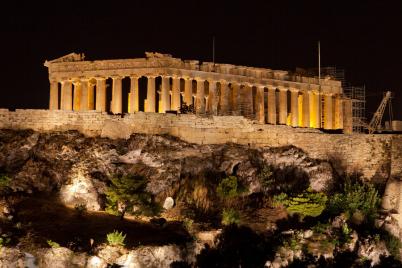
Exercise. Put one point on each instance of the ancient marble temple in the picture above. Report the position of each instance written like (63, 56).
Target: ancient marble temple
(160, 83)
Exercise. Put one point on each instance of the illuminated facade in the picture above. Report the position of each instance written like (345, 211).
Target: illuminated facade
(161, 83)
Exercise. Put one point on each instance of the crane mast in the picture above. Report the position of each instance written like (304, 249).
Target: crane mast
(376, 120)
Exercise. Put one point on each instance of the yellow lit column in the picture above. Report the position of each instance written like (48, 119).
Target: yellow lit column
(224, 98)
(212, 98)
(66, 95)
(306, 109)
(294, 107)
(133, 96)
(101, 94)
(200, 96)
(338, 116)
(314, 101)
(91, 95)
(188, 91)
(260, 104)
(271, 112)
(84, 95)
(77, 95)
(54, 95)
(117, 95)
(236, 98)
(283, 105)
(165, 94)
(175, 104)
(328, 112)
(150, 101)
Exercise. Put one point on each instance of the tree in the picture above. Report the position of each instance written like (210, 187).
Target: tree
(126, 192)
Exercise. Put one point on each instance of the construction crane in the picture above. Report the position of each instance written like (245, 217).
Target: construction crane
(376, 120)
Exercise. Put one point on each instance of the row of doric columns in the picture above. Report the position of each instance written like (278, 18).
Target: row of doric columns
(264, 103)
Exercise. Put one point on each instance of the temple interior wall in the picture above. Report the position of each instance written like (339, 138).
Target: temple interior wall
(375, 156)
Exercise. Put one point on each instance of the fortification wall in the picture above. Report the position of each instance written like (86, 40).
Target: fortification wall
(375, 156)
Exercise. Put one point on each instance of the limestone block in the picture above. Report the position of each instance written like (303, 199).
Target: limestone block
(115, 130)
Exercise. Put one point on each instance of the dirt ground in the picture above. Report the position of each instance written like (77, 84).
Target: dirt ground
(45, 219)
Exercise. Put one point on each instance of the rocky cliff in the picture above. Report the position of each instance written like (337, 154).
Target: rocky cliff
(52, 175)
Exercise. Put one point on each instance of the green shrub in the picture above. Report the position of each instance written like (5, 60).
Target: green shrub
(4, 182)
(127, 192)
(308, 203)
(53, 244)
(355, 197)
(230, 216)
(393, 245)
(116, 238)
(4, 240)
(266, 177)
(229, 187)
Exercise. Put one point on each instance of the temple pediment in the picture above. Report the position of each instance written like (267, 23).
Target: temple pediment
(72, 57)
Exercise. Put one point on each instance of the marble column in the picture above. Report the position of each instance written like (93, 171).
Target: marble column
(283, 105)
(150, 101)
(200, 96)
(175, 104)
(328, 113)
(235, 99)
(133, 96)
(100, 94)
(54, 95)
(224, 98)
(165, 94)
(271, 112)
(212, 98)
(188, 91)
(84, 95)
(260, 104)
(91, 95)
(117, 95)
(294, 107)
(306, 109)
(77, 95)
(66, 95)
(314, 101)
(338, 113)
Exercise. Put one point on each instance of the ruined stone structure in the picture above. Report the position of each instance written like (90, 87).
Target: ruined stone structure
(265, 95)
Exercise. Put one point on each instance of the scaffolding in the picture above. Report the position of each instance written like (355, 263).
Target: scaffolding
(355, 93)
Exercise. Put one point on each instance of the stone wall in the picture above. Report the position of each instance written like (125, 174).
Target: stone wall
(375, 156)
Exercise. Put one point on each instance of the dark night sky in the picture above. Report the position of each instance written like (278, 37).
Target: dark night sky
(362, 37)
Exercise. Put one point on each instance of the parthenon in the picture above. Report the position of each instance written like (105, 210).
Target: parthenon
(161, 83)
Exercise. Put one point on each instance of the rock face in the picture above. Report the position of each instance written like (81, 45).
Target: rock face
(80, 166)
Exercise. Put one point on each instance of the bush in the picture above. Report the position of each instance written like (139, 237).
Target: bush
(393, 245)
(355, 197)
(229, 187)
(4, 182)
(53, 244)
(116, 238)
(230, 216)
(127, 192)
(4, 240)
(308, 203)
(266, 177)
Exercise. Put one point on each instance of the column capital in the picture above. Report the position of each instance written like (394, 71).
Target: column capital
(260, 86)
(294, 90)
(100, 78)
(282, 88)
(165, 76)
(114, 77)
(248, 84)
(151, 76)
(271, 87)
(134, 76)
(187, 78)
(199, 79)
